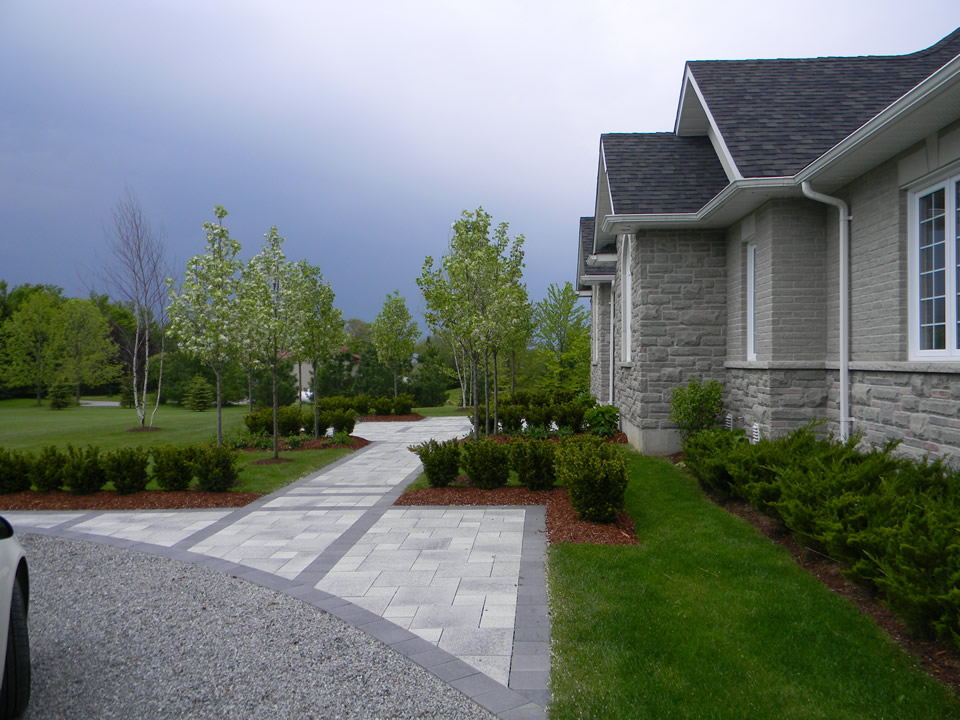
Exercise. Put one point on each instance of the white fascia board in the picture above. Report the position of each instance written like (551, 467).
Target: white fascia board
(602, 181)
(713, 132)
(922, 93)
(718, 202)
(599, 258)
(585, 293)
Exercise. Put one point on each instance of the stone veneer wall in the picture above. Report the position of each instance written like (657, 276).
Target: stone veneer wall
(679, 328)
(600, 354)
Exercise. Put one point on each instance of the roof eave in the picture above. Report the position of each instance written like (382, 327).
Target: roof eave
(914, 116)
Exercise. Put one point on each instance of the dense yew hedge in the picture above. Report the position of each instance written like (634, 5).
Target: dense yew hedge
(85, 470)
(539, 414)
(893, 522)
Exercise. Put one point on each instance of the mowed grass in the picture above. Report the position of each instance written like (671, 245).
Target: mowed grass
(24, 426)
(706, 618)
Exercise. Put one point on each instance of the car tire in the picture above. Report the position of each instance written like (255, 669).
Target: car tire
(15, 692)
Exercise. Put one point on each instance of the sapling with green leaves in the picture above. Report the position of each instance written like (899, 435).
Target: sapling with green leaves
(395, 335)
(204, 312)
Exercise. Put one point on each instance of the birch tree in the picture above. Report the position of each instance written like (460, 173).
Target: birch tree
(203, 312)
(394, 335)
(135, 276)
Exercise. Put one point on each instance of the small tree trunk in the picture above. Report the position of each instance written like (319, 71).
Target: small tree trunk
(396, 371)
(486, 392)
(218, 371)
(474, 363)
(276, 412)
(316, 408)
(163, 347)
(300, 386)
(496, 406)
(250, 387)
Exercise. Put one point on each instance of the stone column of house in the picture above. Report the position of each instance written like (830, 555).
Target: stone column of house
(786, 384)
(600, 343)
(679, 325)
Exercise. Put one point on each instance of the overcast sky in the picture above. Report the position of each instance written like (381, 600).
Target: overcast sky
(361, 130)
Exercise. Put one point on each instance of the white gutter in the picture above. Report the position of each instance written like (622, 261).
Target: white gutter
(845, 218)
(613, 284)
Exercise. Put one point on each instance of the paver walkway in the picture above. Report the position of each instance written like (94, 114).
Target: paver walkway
(459, 590)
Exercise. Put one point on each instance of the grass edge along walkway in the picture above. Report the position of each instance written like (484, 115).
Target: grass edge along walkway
(707, 618)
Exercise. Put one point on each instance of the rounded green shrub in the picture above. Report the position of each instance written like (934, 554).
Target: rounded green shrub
(15, 467)
(82, 473)
(343, 421)
(595, 476)
(486, 463)
(126, 468)
(403, 404)
(511, 419)
(382, 405)
(173, 466)
(441, 460)
(46, 473)
(216, 468)
(533, 461)
(695, 407)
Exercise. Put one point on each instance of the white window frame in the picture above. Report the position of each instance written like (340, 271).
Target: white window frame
(951, 351)
(751, 301)
(627, 297)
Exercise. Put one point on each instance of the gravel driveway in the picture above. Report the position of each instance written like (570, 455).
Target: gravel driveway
(120, 634)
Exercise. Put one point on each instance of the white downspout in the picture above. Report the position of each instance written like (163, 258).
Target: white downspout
(613, 284)
(845, 218)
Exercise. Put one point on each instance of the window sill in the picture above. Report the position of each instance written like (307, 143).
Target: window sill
(625, 365)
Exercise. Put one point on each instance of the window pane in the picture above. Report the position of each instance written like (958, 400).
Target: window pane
(939, 278)
(926, 285)
(926, 312)
(931, 205)
(939, 337)
(926, 260)
(939, 311)
(926, 338)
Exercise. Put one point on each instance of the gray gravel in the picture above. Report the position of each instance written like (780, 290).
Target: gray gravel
(120, 634)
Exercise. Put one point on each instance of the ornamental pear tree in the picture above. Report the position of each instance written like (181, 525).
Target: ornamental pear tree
(204, 311)
(475, 296)
(271, 295)
(322, 329)
(395, 335)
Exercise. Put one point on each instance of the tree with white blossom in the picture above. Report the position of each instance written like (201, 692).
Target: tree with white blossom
(204, 310)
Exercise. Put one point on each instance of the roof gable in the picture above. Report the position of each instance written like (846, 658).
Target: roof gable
(652, 173)
(778, 116)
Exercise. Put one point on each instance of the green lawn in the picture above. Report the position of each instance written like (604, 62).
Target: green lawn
(24, 426)
(708, 619)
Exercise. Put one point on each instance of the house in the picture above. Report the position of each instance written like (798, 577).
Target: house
(795, 236)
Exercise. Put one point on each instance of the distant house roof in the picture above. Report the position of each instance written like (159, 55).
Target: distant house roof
(778, 116)
(585, 270)
(660, 172)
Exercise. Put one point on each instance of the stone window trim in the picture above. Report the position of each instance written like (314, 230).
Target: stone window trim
(933, 263)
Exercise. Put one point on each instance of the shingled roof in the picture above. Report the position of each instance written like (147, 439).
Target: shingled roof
(778, 116)
(660, 172)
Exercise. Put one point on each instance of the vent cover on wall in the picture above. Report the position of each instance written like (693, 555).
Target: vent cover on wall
(755, 433)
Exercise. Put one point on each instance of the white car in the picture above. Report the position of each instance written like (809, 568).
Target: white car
(14, 641)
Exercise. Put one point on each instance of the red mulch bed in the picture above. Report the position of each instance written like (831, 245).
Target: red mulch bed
(563, 525)
(110, 500)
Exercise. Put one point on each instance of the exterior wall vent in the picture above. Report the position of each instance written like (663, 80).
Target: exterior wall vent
(755, 434)
(728, 423)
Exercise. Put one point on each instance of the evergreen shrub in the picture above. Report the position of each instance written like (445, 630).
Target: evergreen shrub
(82, 473)
(173, 466)
(533, 461)
(381, 405)
(61, 394)
(403, 404)
(569, 415)
(486, 463)
(15, 471)
(343, 421)
(46, 472)
(198, 395)
(511, 419)
(595, 475)
(126, 468)
(216, 468)
(441, 460)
